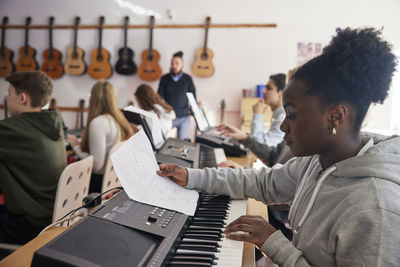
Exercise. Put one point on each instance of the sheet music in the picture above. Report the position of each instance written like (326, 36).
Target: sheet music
(135, 165)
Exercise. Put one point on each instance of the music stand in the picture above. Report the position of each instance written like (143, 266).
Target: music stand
(138, 119)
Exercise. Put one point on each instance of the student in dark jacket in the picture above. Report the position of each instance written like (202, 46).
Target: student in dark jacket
(32, 157)
(173, 88)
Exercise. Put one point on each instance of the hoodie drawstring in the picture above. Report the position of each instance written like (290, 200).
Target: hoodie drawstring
(313, 197)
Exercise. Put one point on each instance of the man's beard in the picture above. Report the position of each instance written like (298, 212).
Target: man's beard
(175, 73)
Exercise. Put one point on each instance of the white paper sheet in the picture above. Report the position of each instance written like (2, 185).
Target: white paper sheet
(135, 165)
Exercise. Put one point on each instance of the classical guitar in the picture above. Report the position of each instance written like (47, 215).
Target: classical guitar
(26, 60)
(75, 65)
(6, 55)
(52, 57)
(203, 66)
(100, 67)
(150, 70)
(125, 64)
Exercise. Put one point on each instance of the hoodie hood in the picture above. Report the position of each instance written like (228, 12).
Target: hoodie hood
(48, 122)
(381, 161)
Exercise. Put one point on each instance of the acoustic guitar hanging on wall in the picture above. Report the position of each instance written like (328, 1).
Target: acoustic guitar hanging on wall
(75, 64)
(150, 70)
(52, 57)
(100, 67)
(6, 55)
(203, 67)
(125, 64)
(26, 60)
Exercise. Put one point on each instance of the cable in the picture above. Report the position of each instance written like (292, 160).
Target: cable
(83, 207)
(82, 213)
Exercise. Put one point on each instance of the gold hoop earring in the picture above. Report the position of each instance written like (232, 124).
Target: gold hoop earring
(334, 131)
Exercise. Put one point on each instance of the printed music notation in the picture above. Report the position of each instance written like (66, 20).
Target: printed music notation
(135, 165)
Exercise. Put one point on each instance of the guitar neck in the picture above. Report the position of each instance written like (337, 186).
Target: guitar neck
(125, 33)
(26, 39)
(99, 56)
(151, 38)
(51, 39)
(208, 19)
(75, 40)
(3, 36)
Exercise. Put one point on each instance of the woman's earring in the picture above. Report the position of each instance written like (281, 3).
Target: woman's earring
(334, 131)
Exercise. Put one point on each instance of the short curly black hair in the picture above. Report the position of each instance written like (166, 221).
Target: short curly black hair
(355, 68)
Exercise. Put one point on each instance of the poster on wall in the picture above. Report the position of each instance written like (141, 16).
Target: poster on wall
(307, 51)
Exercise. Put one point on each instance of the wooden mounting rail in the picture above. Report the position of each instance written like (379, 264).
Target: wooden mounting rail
(159, 26)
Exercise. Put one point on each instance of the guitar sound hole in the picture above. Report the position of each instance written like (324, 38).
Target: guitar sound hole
(204, 56)
(2, 68)
(150, 58)
(99, 58)
(149, 71)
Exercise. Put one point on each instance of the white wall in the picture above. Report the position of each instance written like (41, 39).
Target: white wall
(243, 57)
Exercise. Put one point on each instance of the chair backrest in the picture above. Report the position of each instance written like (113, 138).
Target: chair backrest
(110, 179)
(72, 187)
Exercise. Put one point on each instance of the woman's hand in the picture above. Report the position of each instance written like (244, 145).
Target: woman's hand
(260, 107)
(255, 230)
(174, 172)
(230, 164)
(232, 131)
(72, 140)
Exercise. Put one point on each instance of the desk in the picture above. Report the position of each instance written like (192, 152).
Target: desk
(23, 256)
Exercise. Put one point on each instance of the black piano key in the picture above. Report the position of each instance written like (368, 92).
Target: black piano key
(198, 247)
(195, 227)
(203, 236)
(199, 241)
(210, 224)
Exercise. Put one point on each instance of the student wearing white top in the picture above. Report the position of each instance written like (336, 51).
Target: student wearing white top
(106, 126)
(149, 100)
(273, 98)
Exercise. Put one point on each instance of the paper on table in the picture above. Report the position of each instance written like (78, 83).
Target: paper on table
(135, 165)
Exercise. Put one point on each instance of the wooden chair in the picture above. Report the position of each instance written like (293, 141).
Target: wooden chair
(110, 179)
(72, 187)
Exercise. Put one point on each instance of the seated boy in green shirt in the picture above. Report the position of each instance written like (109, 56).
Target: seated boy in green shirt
(32, 157)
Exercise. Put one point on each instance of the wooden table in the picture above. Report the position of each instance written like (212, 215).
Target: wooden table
(23, 256)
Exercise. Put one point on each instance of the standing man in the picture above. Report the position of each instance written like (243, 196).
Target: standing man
(173, 88)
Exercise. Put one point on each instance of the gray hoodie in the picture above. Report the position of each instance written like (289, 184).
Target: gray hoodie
(346, 215)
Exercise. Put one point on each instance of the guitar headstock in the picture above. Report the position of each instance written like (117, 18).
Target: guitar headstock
(51, 22)
(101, 21)
(5, 20)
(77, 20)
(208, 22)
(152, 22)
(28, 22)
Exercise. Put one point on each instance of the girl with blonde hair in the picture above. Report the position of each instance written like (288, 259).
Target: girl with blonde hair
(106, 126)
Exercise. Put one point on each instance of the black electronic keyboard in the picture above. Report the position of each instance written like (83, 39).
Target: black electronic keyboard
(123, 232)
(190, 155)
